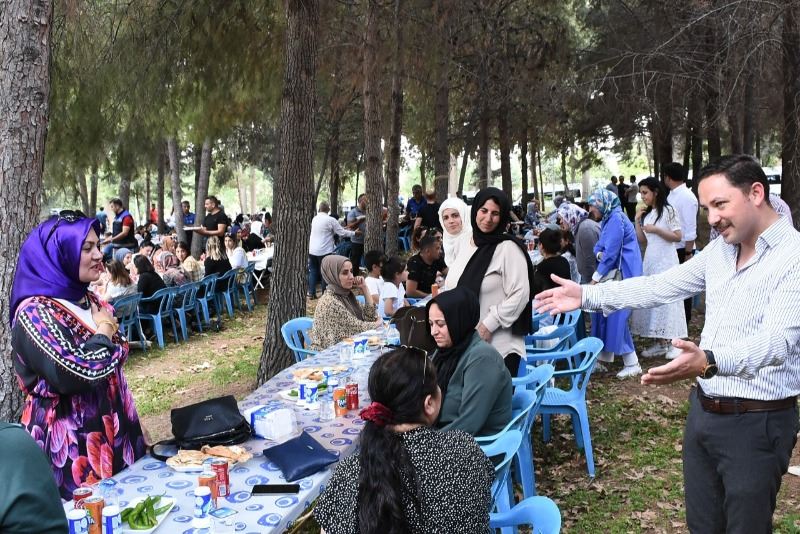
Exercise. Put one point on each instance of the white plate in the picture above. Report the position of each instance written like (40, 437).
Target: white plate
(199, 468)
(159, 518)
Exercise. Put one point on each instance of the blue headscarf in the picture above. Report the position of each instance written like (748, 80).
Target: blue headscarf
(49, 266)
(605, 201)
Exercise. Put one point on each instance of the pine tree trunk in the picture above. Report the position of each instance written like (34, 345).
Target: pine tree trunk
(200, 194)
(393, 176)
(253, 201)
(372, 131)
(790, 153)
(240, 188)
(163, 162)
(537, 192)
(749, 112)
(294, 184)
(175, 182)
(93, 190)
(734, 130)
(469, 146)
(147, 192)
(423, 170)
(83, 191)
(335, 182)
(712, 128)
(125, 187)
(695, 119)
(564, 169)
(483, 152)
(25, 33)
(505, 151)
(541, 177)
(523, 163)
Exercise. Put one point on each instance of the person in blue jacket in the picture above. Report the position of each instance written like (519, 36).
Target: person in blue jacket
(618, 257)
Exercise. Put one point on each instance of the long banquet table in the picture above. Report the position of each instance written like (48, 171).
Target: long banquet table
(263, 513)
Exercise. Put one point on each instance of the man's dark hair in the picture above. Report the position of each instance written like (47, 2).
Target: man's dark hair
(633, 178)
(742, 171)
(186, 203)
(613, 179)
(427, 242)
(147, 244)
(551, 241)
(213, 199)
(373, 258)
(362, 195)
(392, 268)
(117, 202)
(675, 171)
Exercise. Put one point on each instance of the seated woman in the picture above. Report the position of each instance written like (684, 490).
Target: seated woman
(68, 357)
(475, 383)
(216, 262)
(149, 282)
(119, 282)
(192, 269)
(338, 314)
(235, 253)
(407, 477)
(393, 294)
(168, 266)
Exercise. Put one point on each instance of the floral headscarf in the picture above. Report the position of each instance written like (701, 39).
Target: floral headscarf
(605, 201)
(571, 215)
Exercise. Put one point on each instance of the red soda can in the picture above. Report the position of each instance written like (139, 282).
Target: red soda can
(220, 468)
(79, 495)
(94, 505)
(352, 396)
(210, 480)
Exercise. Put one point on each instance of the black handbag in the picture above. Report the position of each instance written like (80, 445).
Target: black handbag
(412, 323)
(211, 422)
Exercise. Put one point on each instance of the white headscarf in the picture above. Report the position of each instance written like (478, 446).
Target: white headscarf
(453, 244)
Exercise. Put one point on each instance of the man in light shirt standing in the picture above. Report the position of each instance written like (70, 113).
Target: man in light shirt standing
(321, 243)
(685, 203)
(632, 198)
(743, 417)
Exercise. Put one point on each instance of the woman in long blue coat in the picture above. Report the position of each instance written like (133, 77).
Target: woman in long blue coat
(617, 248)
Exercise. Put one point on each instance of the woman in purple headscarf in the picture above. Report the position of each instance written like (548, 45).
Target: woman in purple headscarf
(68, 356)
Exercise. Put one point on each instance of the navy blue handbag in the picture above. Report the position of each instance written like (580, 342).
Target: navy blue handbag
(300, 457)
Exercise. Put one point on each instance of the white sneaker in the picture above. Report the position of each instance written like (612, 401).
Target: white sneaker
(656, 350)
(600, 368)
(673, 353)
(630, 370)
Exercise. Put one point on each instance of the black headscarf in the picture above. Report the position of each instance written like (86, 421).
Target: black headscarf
(461, 312)
(475, 271)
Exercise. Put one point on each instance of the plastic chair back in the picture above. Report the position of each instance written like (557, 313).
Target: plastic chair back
(506, 446)
(540, 513)
(296, 336)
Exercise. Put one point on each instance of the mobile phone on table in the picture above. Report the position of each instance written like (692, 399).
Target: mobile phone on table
(274, 489)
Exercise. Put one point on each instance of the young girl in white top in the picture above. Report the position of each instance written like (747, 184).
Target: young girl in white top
(393, 293)
(374, 260)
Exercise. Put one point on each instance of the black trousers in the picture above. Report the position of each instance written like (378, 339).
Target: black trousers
(356, 252)
(732, 467)
(630, 208)
(687, 304)
(512, 362)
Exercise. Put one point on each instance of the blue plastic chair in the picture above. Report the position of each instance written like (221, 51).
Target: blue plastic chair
(580, 360)
(562, 335)
(404, 237)
(247, 287)
(225, 290)
(540, 513)
(295, 335)
(126, 310)
(506, 445)
(361, 300)
(164, 298)
(412, 301)
(524, 405)
(184, 304)
(570, 319)
(204, 298)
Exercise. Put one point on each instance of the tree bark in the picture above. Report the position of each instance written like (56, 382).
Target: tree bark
(335, 183)
(712, 128)
(695, 118)
(175, 182)
(294, 184)
(125, 187)
(147, 191)
(93, 189)
(163, 162)
(83, 192)
(749, 113)
(469, 146)
(536, 191)
(372, 131)
(505, 151)
(523, 163)
(253, 200)
(483, 152)
(240, 188)
(323, 168)
(423, 169)
(25, 36)
(200, 194)
(734, 130)
(395, 139)
(564, 169)
(541, 177)
(790, 150)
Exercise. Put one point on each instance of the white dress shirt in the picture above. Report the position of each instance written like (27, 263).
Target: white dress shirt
(685, 203)
(752, 315)
(323, 229)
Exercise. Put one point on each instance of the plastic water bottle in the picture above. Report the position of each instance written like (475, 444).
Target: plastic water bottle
(392, 335)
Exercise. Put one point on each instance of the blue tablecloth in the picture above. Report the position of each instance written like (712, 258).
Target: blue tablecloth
(264, 513)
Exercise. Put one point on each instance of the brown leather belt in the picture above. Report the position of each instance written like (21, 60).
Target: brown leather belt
(735, 405)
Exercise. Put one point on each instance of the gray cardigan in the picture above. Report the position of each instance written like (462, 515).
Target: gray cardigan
(478, 399)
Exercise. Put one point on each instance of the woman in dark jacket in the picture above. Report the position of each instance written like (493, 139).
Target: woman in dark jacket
(149, 282)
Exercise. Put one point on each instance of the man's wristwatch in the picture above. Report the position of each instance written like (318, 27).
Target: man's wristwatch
(710, 369)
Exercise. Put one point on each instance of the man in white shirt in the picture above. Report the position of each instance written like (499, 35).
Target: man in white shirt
(743, 419)
(321, 243)
(632, 198)
(685, 203)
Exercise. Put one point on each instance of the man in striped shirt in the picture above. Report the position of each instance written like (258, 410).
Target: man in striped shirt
(743, 419)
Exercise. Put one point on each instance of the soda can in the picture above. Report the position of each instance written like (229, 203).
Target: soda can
(220, 468)
(94, 507)
(340, 401)
(209, 479)
(202, 501)
(352, 396)
(79, 495)
(78, 521)
(112, 520)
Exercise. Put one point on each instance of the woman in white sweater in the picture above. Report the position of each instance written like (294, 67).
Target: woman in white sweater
(498, 269)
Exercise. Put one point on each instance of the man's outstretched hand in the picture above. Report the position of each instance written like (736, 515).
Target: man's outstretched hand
(689, 364)
(565, 298)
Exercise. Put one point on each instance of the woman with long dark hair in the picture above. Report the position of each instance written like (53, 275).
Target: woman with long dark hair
(498, 269)
(659, 227)
(407, 477)
(475, 384)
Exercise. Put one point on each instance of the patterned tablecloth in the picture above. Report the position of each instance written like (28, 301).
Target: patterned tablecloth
(263, 513)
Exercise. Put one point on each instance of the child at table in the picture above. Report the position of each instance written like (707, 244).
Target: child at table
(393, 292)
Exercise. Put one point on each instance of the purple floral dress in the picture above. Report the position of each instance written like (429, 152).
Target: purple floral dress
(78, 406)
